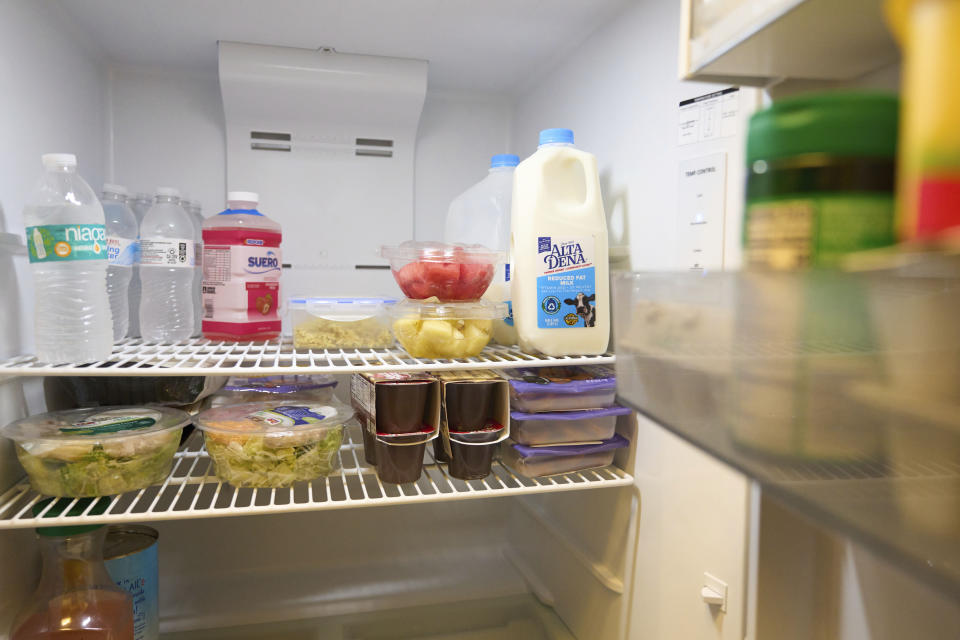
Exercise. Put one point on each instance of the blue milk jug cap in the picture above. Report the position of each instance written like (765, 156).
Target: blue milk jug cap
(555, 136)
(504, 160)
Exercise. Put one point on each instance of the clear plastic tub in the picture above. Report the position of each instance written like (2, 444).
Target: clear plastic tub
(449, 272)
(536, 462)
(287, 388)
(444, 329)
(341, 323)
(273, 444)
(97, 452)
(566, 426)
(561, 388)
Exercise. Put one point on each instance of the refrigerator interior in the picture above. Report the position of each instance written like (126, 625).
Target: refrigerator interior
(133, 89)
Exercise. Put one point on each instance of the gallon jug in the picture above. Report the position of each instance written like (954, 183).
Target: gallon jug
(481, 215)
(241, 272)
(560, 282)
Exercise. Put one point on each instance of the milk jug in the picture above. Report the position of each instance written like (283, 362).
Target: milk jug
(558, 240)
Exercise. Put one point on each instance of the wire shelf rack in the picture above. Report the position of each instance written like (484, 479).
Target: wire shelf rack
(205, 357)
(192, 490)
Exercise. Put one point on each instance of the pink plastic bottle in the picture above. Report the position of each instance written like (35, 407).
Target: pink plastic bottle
(241, 272)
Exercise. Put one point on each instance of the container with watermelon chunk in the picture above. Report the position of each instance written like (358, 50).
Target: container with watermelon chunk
(448, 272)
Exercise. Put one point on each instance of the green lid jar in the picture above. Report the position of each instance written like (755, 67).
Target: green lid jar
(820, 179)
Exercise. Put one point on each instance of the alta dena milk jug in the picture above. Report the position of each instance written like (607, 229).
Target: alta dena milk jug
(560, 282)
(241, 272)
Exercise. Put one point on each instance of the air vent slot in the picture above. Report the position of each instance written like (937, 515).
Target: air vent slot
(277, 141)
(381, 148)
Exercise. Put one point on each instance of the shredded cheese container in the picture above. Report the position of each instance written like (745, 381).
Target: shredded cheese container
(341, 323)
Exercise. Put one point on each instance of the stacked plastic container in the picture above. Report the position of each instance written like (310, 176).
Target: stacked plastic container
(443, 315)
(562, 419)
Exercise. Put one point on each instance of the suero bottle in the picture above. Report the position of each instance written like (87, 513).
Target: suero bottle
(67, 243)
(241, 272)
(166, 270)
(123, 253)
(560, 284)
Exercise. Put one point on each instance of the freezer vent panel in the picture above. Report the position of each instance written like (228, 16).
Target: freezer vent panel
(206, 357)
(193, 491)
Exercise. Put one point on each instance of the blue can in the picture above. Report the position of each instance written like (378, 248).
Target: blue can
(130, 553)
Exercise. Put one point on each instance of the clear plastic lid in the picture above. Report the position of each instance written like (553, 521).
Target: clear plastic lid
(274, 418)
(341, 309)
(411, 251)
(96, 424)
(426, 309)
(279, 385)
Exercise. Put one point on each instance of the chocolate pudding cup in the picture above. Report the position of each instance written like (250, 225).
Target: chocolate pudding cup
(400, 457)
(469, 404)
(400, 406)
(473, 452)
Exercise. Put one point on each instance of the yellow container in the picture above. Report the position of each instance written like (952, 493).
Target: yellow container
(929, 162)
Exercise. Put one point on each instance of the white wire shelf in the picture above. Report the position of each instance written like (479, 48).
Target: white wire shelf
(205, 357)
(193, 491)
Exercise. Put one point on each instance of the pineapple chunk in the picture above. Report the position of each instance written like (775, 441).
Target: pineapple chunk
(475, 337)
(436, 333)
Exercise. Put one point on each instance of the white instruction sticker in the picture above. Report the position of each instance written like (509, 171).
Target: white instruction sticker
(167, 252)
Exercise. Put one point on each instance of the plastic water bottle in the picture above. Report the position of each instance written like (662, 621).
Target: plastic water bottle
(123, 252)
(481, 215)
(192, 207)
(140, 205)
(241, 272)
(67, 243)
(166, 270)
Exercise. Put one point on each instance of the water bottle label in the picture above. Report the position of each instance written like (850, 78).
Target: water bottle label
(167, 252)
(566, 282)
(64, 242)
(122, 252)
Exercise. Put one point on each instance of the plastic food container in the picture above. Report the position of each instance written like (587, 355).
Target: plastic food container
(536, 462)
(273, 444)
(70, 392)
(445, 329)
(449, 272)
(561, 388)
(400, 456)
(288, 388)
(97, 452)
(473, 452)
(341, 323)
(566, 426)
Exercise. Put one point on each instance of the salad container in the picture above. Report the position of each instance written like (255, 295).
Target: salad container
(341, 323)
(561, 388)
(449, 272)
(287, 388)
(274, 444)
(97, 452)
(536, 462)
(564, 427)
(445, 330)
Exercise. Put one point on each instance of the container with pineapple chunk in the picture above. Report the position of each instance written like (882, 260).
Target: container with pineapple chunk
(431, 329)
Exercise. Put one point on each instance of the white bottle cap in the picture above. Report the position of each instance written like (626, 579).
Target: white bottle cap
(53, 160)
(143, 196)
(168, 192)
(243, 196)
(117, 189)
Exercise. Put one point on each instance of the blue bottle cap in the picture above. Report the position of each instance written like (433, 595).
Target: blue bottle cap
(556, 136)
(504, 160)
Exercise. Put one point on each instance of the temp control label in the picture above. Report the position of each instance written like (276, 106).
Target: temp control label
(566, 282)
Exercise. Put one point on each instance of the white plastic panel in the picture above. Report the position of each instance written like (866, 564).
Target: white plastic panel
(328, 141)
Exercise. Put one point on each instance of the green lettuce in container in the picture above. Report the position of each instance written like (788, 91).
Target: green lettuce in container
(274, 444)
(97, 452)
